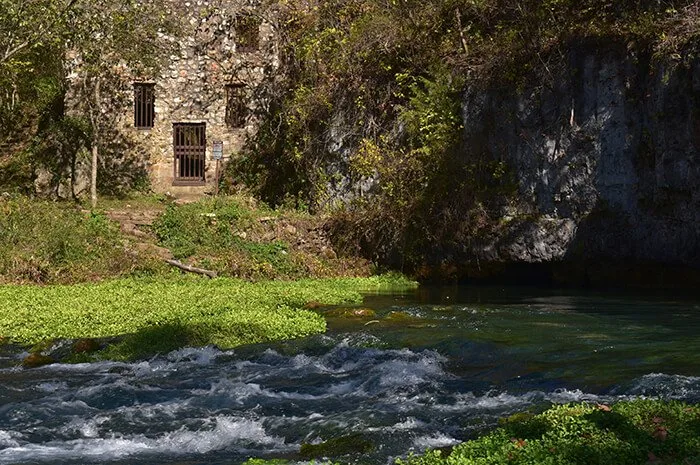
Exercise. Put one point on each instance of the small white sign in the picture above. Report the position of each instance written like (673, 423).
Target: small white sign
(217, 152)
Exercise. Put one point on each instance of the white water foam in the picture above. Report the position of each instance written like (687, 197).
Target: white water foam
(434, 441)
(199, 356)
(667, 386)
(409, 424)
(194, 401)
(51, 386)
(227, 431)
(9, 439)
(504, 401)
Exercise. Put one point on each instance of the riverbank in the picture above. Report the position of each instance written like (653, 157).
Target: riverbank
(108, 273)
(48, 242)
(155, 315)
(413, 374)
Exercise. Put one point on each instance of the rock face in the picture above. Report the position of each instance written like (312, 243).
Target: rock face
(606, 157)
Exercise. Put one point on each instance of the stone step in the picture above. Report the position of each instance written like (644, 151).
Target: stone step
(138, 218)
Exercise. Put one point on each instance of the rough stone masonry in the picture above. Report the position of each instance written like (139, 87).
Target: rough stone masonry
(209, 80)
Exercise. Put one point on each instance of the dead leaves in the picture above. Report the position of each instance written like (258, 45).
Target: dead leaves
(604, 408)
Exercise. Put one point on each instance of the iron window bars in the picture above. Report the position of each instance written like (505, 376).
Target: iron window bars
(236, 106)
(190, 147)
(144, 105)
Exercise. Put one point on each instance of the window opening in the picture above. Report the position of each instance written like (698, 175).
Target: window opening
(144, 105)
(247, 29)
(190, 146)
(236, 106)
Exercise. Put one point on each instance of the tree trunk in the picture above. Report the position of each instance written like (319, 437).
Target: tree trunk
(93, 175)
(95, 144)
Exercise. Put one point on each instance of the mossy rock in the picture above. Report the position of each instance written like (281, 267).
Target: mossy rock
(336, 447)
(404, 319)
(400, 316)
(351, 313)
(36, 360)
(43, 346)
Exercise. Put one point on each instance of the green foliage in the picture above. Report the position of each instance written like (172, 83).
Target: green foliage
(369, 107)
(236, 236)
(282, 462)
(266, 462)
(207, 225)
(39, 41)
(31, 34)
(629, 433)
(432, 117)
(159, 315)
(360, 67)
(46, 242)
(216, 231)
(59, 147)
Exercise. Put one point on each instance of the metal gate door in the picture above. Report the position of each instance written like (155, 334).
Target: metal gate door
(190, 145)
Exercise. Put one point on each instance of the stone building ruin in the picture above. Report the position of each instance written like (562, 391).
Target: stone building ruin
(201, 106)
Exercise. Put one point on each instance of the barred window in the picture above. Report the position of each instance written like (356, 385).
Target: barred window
(144, 105)
(190, 145)
(247, 29)
(236, 106)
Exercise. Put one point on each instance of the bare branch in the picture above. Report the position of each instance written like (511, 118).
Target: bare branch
(191, 269)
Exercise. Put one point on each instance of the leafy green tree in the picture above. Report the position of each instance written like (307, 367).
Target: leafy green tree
(31, 81)
(29, 24)
(31, 37)
(112, 43)
(106, 43)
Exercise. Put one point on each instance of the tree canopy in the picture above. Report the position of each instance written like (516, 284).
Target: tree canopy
(41, 41)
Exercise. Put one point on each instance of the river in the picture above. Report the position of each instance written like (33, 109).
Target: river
(432, 368)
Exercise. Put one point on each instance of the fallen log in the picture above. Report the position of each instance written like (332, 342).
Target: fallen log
(192, 269)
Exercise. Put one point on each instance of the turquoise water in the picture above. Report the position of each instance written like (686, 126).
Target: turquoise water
(431, 368)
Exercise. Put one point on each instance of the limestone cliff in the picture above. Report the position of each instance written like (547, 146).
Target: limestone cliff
(605, 151)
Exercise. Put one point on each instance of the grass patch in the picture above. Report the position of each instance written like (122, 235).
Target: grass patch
(47, 242)
(63, 243)
(160, 315)
(210, 225)
(133, 201)
(629, 433)
(237, 236)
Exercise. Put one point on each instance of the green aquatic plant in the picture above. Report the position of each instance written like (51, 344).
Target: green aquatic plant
(157, 315)
(628, 433)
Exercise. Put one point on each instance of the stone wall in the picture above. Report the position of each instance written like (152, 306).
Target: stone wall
(191, 88)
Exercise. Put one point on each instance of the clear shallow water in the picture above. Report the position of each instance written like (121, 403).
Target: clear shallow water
(442, 370)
